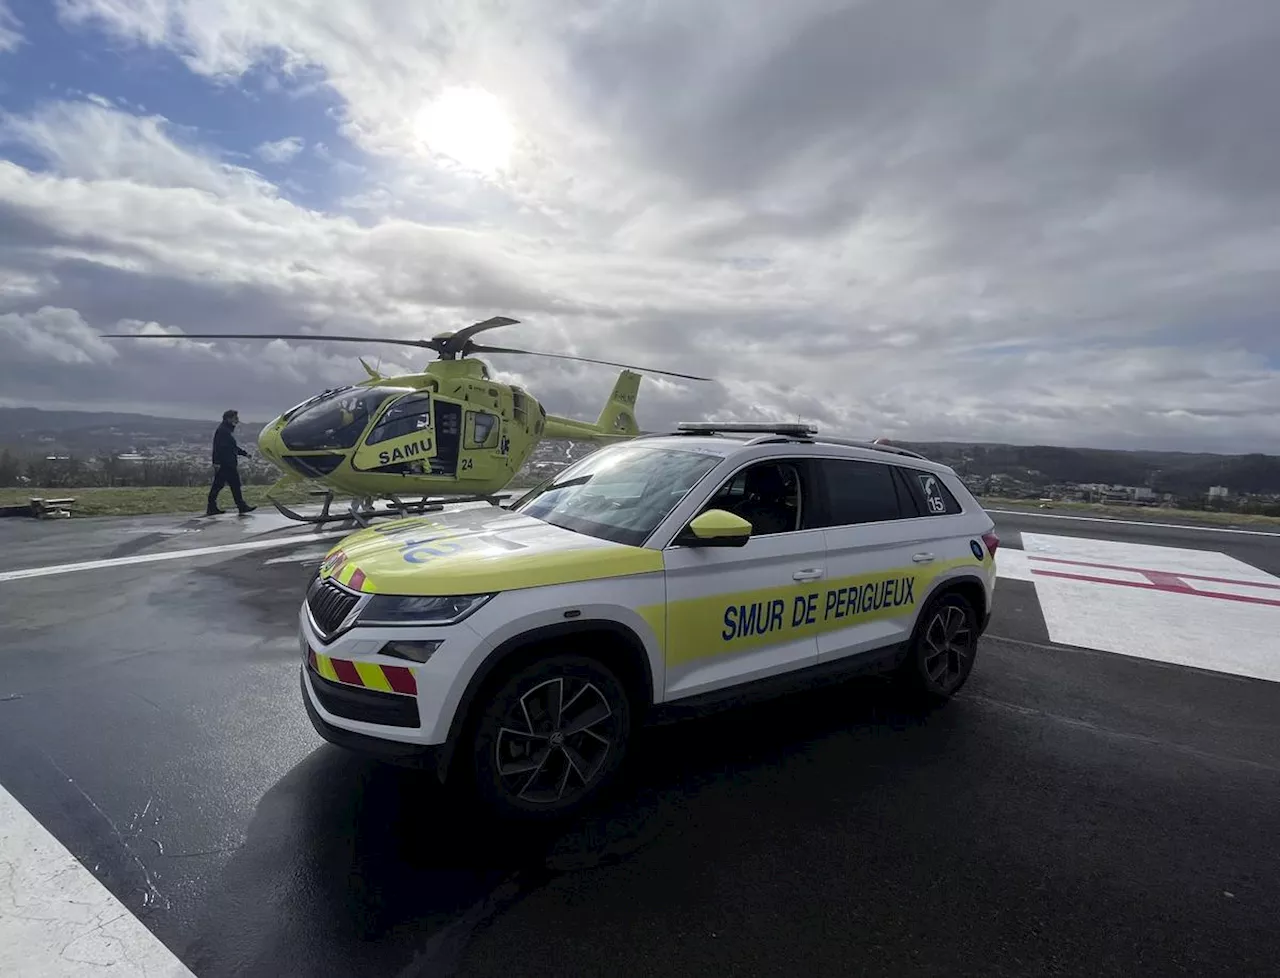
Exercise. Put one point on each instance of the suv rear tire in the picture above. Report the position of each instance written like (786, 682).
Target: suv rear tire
(549, 737)
(943, 647)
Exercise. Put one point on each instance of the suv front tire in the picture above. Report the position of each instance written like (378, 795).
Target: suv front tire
(549, 736)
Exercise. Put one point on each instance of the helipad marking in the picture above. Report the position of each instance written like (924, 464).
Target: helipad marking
(57, 920)
(310, 556)
(1013, 564)
(1154, 573)
(91, 565)
(1158, 580)
(1190, 607)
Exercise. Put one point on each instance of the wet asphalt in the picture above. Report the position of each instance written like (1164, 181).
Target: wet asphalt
(1070, 813)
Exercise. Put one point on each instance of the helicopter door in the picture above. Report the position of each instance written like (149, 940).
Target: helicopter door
(480, 437)
(448, 438)
(402, 440)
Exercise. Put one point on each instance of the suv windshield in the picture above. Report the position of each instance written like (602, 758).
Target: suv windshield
(620, 493)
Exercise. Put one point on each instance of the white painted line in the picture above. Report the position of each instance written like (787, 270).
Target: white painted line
(1104, 519)
(57, 920)
(302, 558)
(1187, 607)
(1013, 564)
(89, 565)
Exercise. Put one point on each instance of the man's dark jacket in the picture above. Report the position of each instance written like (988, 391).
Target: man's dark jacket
(225, 449)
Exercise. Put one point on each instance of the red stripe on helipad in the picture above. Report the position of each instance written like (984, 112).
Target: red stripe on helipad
(1153, 586)
(1170, 582)
(1154, 573)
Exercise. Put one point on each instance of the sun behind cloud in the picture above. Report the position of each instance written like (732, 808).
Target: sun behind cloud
(469, 126)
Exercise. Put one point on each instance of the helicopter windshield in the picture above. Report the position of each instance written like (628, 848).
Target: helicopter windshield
(338, 420)
(619, 493)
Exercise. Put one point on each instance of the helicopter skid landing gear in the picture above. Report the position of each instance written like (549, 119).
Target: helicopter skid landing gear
(324, 516)
(362, 509)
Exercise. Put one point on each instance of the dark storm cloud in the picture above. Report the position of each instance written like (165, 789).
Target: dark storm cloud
(980, 219)
(911, 92)
(844, 75)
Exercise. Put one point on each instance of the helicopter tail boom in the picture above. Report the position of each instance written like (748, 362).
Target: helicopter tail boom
(617, 418)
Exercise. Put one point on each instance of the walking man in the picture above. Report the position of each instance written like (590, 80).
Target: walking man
(226, 465)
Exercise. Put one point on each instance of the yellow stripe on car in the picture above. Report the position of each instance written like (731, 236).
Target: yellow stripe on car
(733, 622)
(371, 675)
(325, 666)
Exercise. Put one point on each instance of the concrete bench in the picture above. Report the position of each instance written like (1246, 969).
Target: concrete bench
(45, 509)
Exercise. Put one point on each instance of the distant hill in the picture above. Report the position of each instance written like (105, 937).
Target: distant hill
(1181, 473)
(86, 433)
(29, 431)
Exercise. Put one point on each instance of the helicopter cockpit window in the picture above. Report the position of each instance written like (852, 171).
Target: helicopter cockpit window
(483, 430)
(408, 415)
(336, 421)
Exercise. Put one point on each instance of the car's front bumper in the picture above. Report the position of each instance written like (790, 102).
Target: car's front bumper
(352, 686)
(422, 756)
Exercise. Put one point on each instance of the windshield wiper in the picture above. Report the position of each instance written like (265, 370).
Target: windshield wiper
(581, 480)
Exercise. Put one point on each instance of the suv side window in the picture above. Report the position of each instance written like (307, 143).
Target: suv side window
(772, 496)
(861, 492)
(932, 497)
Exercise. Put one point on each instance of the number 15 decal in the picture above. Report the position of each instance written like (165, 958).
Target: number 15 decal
(932, 495)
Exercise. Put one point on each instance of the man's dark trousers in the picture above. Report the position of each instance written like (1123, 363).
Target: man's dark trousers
(225, 476)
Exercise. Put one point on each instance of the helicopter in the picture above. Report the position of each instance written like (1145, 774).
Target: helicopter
(446, 434)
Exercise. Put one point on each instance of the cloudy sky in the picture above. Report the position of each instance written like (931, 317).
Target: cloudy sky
(1014, 220)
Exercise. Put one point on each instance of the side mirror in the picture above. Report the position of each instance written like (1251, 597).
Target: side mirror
(716, 528)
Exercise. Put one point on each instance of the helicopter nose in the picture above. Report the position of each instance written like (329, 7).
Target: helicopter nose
(269, 443)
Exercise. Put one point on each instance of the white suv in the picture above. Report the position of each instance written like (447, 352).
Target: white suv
(519, 649)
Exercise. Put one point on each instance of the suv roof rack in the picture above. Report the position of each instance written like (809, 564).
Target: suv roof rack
(794, 430)
(783, 431)
(875, 446)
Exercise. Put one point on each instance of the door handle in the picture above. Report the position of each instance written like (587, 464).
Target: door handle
(922, 558)
(808, 574)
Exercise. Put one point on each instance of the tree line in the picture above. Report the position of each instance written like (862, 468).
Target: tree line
(84, 472)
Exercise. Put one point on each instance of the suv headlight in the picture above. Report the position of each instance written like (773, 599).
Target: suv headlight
(391, 609)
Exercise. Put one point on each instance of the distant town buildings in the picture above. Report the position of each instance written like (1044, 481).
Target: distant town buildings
(1002, 486)
(1094, 492)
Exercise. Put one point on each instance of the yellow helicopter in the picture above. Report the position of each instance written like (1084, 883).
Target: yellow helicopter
(447, 434)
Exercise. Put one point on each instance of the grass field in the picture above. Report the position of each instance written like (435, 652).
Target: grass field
(165, 499)
(1148, 513)
(157, 500)
(149, 500)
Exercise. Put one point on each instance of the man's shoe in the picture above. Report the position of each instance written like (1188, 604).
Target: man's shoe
(214, 512)
(247, 509)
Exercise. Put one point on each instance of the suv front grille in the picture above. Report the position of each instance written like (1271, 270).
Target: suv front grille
(329, 605)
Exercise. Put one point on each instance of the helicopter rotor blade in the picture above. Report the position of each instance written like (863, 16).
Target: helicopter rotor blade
(452, 343)
(476, 348)
(422, 344)
(460, 338)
